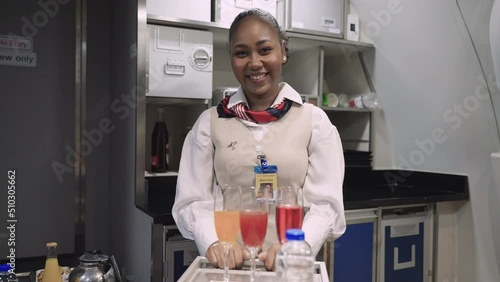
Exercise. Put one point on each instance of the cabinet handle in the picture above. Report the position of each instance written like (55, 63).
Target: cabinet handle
(403, 265)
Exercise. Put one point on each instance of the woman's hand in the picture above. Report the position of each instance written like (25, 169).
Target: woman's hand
(216, 257)
(269, 257)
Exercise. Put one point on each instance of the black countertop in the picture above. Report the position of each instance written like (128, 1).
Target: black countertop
(363, 188)
(366, 188)
(159, 199)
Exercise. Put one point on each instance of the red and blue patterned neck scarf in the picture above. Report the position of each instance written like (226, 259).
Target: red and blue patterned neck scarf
(241, 111)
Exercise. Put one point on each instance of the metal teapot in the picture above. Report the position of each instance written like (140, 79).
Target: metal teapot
(96, 268)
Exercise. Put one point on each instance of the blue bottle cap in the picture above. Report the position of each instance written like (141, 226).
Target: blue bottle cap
(294, 234)
(4, 267)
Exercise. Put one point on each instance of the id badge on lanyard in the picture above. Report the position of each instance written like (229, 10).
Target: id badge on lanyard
(266, 179)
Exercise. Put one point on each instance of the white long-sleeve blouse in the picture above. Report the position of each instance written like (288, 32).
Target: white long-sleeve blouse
(325, 219)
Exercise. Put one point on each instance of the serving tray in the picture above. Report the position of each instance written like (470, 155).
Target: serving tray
(201, 271)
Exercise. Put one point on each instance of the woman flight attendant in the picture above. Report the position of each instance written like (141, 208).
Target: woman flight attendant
(265, 117)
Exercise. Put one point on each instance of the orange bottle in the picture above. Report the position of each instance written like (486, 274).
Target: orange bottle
(51, 272)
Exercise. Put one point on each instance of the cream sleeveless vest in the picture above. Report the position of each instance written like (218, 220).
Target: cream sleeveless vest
(285, 144)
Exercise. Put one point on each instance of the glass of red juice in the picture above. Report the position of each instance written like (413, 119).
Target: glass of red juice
(253, 221)
(289, 210)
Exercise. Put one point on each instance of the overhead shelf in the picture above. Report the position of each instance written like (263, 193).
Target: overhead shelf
(332, 46)
(298, 40)
(168, 101)
(220, 32)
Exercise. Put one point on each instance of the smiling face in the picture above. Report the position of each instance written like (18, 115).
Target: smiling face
(256, 58)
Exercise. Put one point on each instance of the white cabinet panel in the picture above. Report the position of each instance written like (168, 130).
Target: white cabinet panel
(180, 63)
(325, 17)
(227, 10)
(184, 9)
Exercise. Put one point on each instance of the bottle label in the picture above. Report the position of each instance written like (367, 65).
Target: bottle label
(154, 161)
(356, 103)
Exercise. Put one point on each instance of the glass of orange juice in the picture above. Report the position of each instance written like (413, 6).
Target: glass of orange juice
(227, 219)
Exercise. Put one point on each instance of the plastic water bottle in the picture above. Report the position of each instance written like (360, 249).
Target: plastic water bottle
(295, 261)
(370, 100)
(6, 275)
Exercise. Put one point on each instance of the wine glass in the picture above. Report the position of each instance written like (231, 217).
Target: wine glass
(227, 219)
(253, 221)
(289, 210)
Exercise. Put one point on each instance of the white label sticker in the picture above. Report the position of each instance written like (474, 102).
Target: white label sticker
(403, 230)
(21, 59)
(328, 22)
(16, 43)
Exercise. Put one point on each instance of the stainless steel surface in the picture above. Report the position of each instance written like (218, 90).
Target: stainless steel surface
(157, 253)
(298, 40)
(325, 18)
(170, 243)
(366, 72)
(326, 255)
(375, 246)
(226, 11)
(134, 237)
(140, 142)
(180, 62)
(80, 120)
(88, 272)
(434, 223)
(201, 271)
(113, 274)
(321, 75)
(219, 31)
(333, 46)
(154, 19)
(95, 268)
(186, 9)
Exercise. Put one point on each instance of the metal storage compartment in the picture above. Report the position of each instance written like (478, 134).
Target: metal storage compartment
(198, 10)
(179, 256)
(354, 253)
(224, 11)
(180, 63)
(179, 253)
(406, 245)
(323, 17)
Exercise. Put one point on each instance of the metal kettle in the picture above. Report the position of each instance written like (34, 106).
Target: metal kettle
(96, 268)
